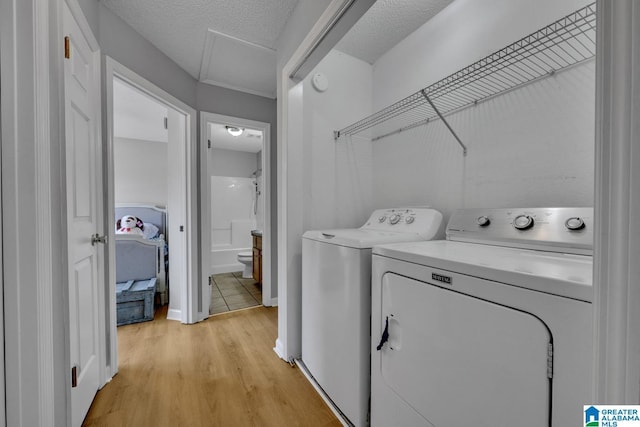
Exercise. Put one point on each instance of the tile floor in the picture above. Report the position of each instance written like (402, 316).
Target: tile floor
(229, 291)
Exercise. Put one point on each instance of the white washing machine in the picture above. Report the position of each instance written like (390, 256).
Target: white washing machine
(336, 302)
(491, 327)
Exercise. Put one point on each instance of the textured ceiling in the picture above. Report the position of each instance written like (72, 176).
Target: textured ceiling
(385, 24)
(180, 28)
(232, 43)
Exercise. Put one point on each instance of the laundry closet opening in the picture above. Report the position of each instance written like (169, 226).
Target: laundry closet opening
(531, 144)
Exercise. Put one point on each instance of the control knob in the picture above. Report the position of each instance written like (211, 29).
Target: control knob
(382, 218)
(483, 221)
(393, 219)
(409, 220)
(574, 223)
(522, 222)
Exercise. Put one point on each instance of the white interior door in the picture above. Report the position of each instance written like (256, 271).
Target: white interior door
(83, 184)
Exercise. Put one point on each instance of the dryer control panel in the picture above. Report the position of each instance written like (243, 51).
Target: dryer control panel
(568, 230)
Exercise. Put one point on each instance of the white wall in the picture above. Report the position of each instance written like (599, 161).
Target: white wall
(531, 147)
(231, 163)
(140, 171)
(337, 176)
(137, 115)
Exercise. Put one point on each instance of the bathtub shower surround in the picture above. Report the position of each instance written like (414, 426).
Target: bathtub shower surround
(232, 219)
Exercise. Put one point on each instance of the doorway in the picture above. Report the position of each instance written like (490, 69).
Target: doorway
(148, 179)
(235, 210)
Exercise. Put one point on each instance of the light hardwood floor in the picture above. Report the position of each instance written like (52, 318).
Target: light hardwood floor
(220, 372)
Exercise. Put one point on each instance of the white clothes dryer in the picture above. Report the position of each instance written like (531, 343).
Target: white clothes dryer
(336, 302)
(491, 327)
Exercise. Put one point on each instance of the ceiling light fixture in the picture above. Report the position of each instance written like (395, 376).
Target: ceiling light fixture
(234, 131)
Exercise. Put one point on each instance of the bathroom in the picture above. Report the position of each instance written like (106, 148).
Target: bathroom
(236, 195)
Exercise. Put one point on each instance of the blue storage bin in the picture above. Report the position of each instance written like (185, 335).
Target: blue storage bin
(134, 301)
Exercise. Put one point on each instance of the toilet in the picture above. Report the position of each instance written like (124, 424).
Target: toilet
(246, 258)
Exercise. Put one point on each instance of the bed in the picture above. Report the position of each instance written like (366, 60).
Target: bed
(143, 257)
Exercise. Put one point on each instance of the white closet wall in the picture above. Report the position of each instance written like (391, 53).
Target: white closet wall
(337, 176)
(531, 147)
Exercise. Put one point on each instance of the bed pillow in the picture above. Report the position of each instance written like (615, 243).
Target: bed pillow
(149, 231)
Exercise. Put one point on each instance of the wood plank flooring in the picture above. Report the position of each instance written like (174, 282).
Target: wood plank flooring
(220, 372)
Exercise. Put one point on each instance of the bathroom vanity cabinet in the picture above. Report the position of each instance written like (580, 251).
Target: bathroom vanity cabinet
(257, 256)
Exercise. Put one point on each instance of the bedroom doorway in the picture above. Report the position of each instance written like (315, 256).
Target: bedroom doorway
(150, 150)
(235, 212)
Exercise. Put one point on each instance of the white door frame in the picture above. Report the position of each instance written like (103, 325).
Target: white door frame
(188, 302)
(617, 206)
(205, 196)
(34, 283)
(290, 175)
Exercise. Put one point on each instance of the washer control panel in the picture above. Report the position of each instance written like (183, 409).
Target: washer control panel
(567, 230)
(414, 220)
(396, 216)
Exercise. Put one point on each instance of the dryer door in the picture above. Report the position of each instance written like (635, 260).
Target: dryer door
(462, 361)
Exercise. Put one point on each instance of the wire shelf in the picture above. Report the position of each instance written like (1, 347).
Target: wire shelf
(565, 43)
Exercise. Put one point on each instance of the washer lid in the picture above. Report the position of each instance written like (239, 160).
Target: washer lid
(359, 238)
(566, 275)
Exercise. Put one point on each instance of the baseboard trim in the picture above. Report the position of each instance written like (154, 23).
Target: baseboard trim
(273, 302)
(174, 314)
(226, 268)
(279, 349)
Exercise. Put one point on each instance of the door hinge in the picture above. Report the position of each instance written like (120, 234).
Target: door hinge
(208, 143)
(166, 123)
(182, 228)
(74, 377)
(550, 360)
(67, 48)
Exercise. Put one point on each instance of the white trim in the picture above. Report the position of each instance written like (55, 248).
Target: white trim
(205, 194)
(318, 35)
(35, 342)
(43, 224)
(279, 349)
(109, 224)
(3, 412)
(174, 315)
(617, 241)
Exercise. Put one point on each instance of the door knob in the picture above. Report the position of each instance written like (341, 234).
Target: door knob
(96, 238)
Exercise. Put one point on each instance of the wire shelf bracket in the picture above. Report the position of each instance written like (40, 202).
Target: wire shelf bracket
(565, 43)
(446, 123)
